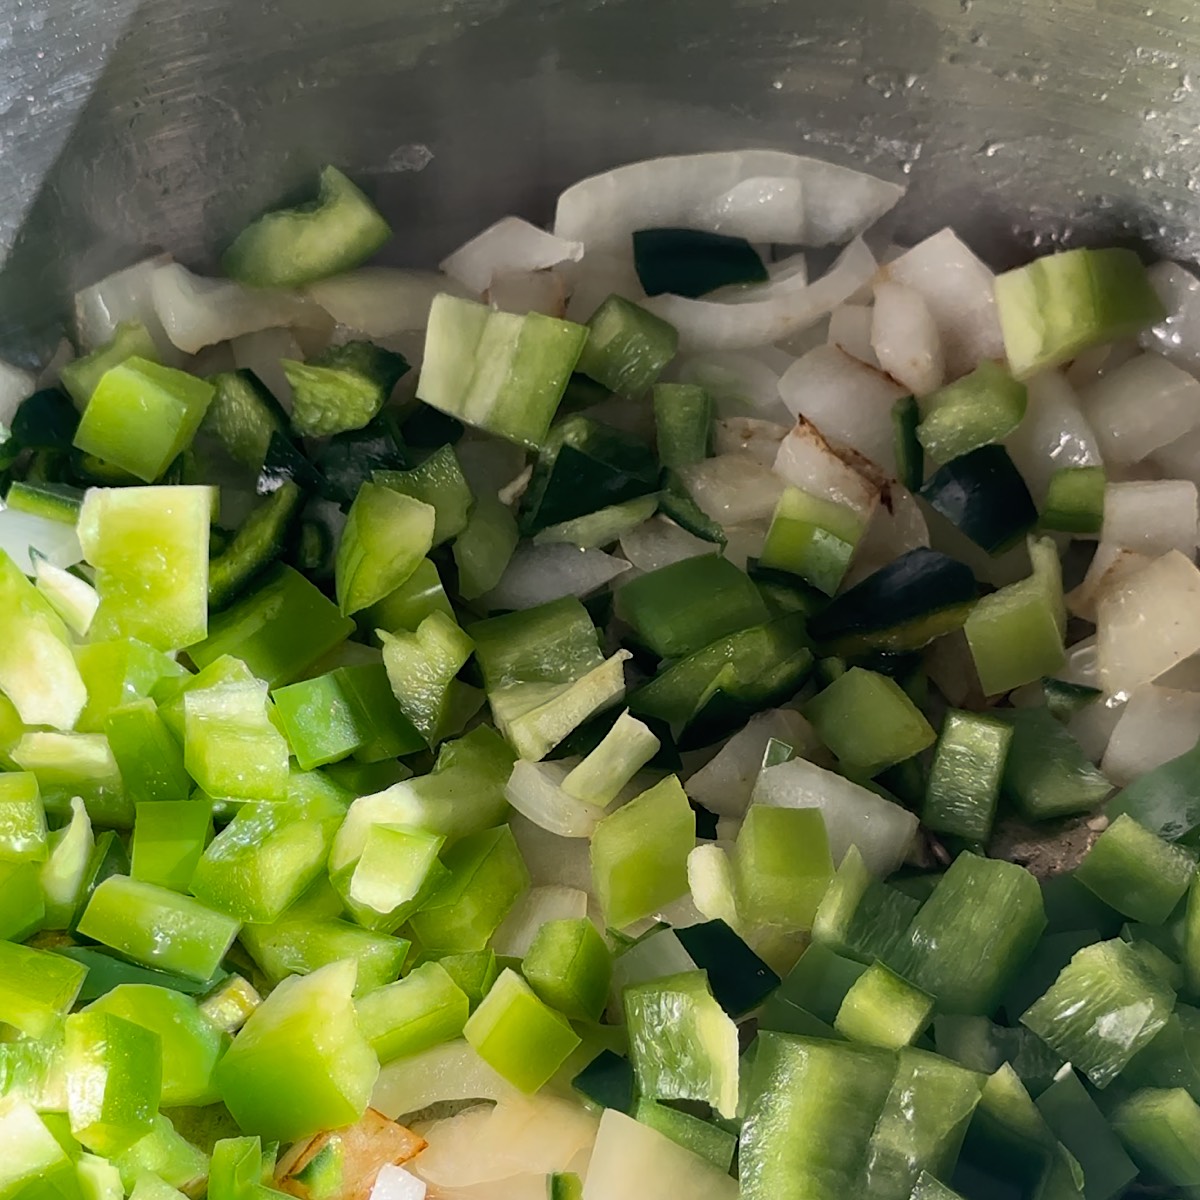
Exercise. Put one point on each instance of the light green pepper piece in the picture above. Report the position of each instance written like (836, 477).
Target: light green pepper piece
(169, 836)
(37, 988)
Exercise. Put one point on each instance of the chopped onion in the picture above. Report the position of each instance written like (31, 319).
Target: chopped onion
(1180, 459)
(848, 401)
(744, 435)
(601, 274)
(631, 416)
(958, 291)
(1053, 434)
(741, 384)
(197, 312)
(535, 790)
(55, 541)
(999, 570)
(380, 302)
(905, 338)
(537, 574)
(1152, 517)
(508, 247)
(1148, 623)
(951, 668)
(1109, 566)
(733, 488)
(521, 1135)
(711, 325)
(711, 882)
(452, 1071)
(552, 859)
(51, 372)
(806, 460)
(263, 353)
(896, 526)
(724, 786)
(882, 831)
(1157, 725)
(395, 1183)
(123, 296)
(15, 385)
(537, 906)
(488, 463)
(654, 957)
(850, 332)
(761, 195)
(659, 542)
(744, 542)
(1142, 405)
(633, 1160)
(1178, 335)
(523, 292)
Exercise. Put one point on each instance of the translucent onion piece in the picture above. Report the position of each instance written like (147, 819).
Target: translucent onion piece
(523, 292)
(453, 1071)
(55, 541)
(848, 401)
(263, 353)
(197, 312)
(1054, 434)
(1109, 566)
(958, 291)
(711, 325)
(733, 488)
(539, 905)
(806, 460)
(762, 195)
(1151, 517)
(599, 275)
(854, 816)
(521, 1135)
(64, 353)
(744, 435)
(659, 542)
(123, 296)
(1157, 725)
(1178, 336)
(631, 1159)
(895, 527)
(552, 859)
(509, 246)
(488, 463)
(1180, 459)
(1142, 405)
(711, 882)
(1148, 623)
(15, 385)
(741, 384)
(535, 791)
(850, 332)
(395, 1183)
(724, 786)
(905, 338)
(745, 541)
(654, 957)
(380, 302)
(537, 574)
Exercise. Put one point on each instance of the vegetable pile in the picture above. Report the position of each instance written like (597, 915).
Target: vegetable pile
(576, 724)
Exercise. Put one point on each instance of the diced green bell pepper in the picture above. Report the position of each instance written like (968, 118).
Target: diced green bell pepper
(77, 764)
(32, 1162)
(623, 751)
(394, 867)
(882, 1009)
(170, 1156)
(982, 407)
(782, 866)
(485, 547)
(703, 1138)
(300, 1063)
(230, 1006)
(440, 483)
(37, 988)
(405, 608)
(1075, 500)
(812, 537)
(627, 347)
(322, 720)
(342, 388)
(569, 966)
(22, 818)
(683, 416)
(64, 873)
(964, 781)
(424, 1009)
(169, 836)
(1161, 1129)
(120, 672)
(146, 752)
(22, 902)
(1047, 775)
(231, 747)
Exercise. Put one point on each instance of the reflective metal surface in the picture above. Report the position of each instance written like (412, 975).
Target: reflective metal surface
(129, 126)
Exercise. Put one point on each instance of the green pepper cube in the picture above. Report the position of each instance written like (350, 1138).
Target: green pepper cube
(32, 1161)
(22, 901)
(386, 538)
(1104, 986)
(439, 482)
(37, 988)
(322, 722)
(277, 631)
(230, 745)
(169, 836)
(149, 757)
(76, 764)
(518, 1036)
(118, 673)
(191, 1043)
(1136, 872)
(390, 734)
(394, 866)
(419, 595)
(230, 1006)
(150, 550)
(22, 818)
(964, 780)
(976, 410)
(141, 416)
(782, 866)
(683, 417)
(869, 722)
(151, 1187)
(1075, 500)
(639, 853)
(238, 1167)
(266, 857)
(487, 875)
(474, 971)
(569, 966)
(114, 1080)
(421, 668)
(627, 347)
(424, 1009)
(300, 1063)
(170, 695)
(1161, 1128)
(882, 1009)
(681, 1043)
(813, 538)
(157, 927)
(167, 1154)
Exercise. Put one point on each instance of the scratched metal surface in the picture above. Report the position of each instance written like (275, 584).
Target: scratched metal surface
(129, 126)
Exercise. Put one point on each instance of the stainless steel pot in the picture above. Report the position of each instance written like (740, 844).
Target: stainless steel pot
(130, 126)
